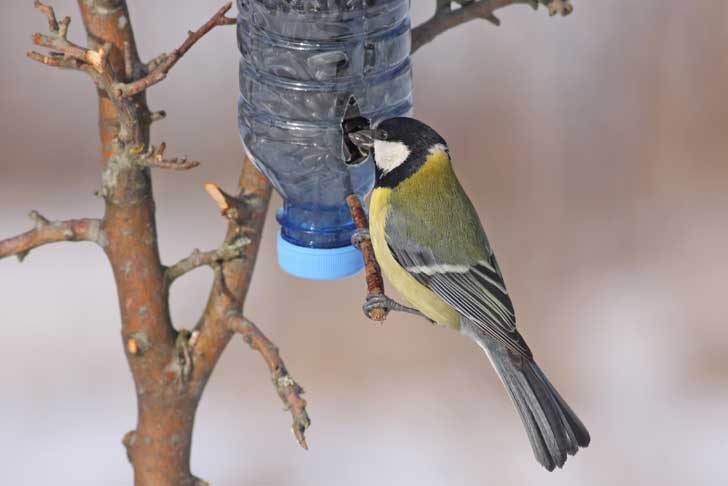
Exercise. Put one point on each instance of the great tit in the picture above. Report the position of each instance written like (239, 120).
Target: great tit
(431, 247)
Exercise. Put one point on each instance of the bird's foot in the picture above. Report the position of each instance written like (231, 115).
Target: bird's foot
(359, 235)
(381, 301)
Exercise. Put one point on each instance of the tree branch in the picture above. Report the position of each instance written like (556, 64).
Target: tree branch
(288, 390)
(51, 232)
(237, 210)
(64, 53)
(160, 67)
(446, 17)
(226, 252)
(63, 50)
(246, 212)
(155, 158)
(111, 64)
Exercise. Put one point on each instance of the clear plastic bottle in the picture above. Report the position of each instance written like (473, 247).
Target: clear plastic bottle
(301, 62)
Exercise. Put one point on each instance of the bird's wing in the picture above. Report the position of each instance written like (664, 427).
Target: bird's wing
(470, 281)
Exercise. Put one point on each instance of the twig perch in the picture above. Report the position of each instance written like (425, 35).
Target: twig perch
(375, 283)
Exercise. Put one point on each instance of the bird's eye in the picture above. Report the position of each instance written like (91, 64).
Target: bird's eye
(380, 134)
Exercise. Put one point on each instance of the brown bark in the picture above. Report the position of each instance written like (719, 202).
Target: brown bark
(161, 449)
(372, 272)
(231, 287)
(46, 232)
(109, 21)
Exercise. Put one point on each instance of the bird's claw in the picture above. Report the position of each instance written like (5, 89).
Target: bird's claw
(376, 301)
(381, 301)
(359, 235)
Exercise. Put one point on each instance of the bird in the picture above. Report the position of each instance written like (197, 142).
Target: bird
(431, 247)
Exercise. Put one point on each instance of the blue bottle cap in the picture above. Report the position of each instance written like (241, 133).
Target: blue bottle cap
(318, 263)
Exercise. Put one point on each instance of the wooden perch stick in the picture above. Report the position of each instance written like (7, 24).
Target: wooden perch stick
(373, 274)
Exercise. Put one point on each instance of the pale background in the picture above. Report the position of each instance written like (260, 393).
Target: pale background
(594, 147)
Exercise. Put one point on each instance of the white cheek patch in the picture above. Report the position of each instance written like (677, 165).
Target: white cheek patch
(390, 155)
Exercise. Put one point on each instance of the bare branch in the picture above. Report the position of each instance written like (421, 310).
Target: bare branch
(55, 60)
(64, 53)
(223, 200)
(51, 232)
(288, 390)
(173, 164)
(228, 251)
(155, 158)
(49, 13)
(163, 64)
(375, 283)
(236, 209)
(446, 17)
(59, 45)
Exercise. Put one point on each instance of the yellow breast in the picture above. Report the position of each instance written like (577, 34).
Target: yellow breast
(416, 294)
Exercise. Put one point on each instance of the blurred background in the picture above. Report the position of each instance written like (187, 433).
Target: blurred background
(595, 148)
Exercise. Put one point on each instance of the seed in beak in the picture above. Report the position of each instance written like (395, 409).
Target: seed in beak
(363, 139)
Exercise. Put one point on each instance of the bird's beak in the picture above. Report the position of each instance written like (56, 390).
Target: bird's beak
(351, 125)
(363, 139)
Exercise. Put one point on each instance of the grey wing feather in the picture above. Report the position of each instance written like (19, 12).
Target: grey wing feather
(474, 288)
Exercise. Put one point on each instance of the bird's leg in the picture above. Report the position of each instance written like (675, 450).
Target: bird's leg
(382, 301)
(359, 235)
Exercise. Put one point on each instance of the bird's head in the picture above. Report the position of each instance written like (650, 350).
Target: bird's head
(400, 145)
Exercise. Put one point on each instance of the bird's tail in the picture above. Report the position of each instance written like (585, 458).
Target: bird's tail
(553, 428)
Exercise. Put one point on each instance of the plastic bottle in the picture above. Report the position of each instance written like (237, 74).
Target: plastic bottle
(301, 62)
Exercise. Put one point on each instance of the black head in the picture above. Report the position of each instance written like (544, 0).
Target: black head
(401, 145)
